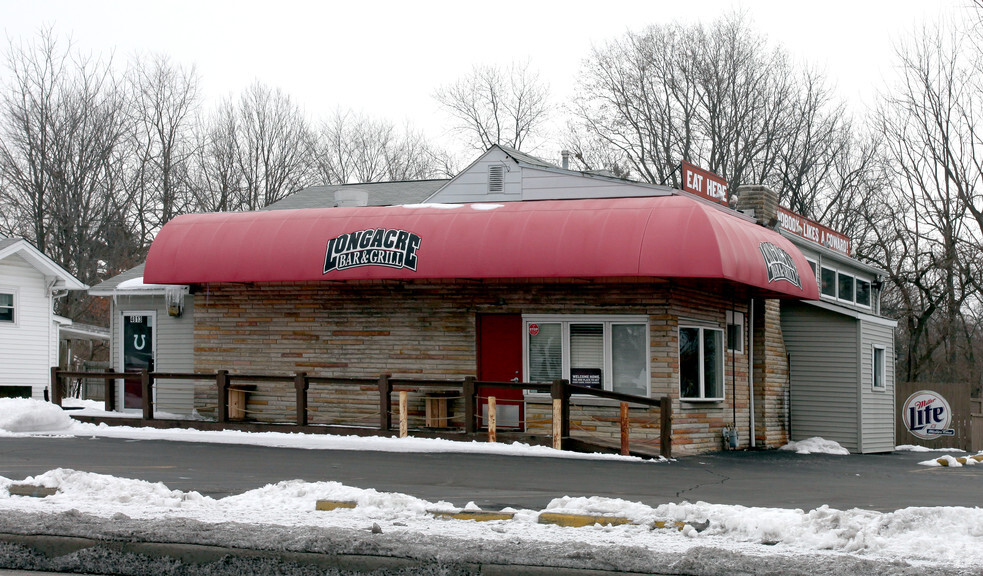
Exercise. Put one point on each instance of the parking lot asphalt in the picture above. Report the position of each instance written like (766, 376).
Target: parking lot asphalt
(882, 482)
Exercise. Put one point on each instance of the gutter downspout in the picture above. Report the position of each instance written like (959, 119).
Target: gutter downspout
(750, 372)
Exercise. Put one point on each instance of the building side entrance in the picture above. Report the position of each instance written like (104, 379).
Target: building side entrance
(500, 360)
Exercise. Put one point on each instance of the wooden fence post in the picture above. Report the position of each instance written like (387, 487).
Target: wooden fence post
(469, 391)
(492, 420)
(301, 383)
(560, 392)
(385, 389)
(147, 387)
(403, 425)
(665, 430)
(109, 392)
(624, 429)
(222, 384)
(55, 386)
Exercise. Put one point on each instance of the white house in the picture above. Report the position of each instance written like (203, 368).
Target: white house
(29, 284)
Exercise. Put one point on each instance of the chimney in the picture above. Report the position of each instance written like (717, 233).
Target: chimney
(565, 154)
(760, 202)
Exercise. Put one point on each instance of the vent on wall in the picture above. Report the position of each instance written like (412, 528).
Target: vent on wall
(496, 178)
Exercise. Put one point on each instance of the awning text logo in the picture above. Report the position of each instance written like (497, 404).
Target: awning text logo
(780, 264)
(373, 247)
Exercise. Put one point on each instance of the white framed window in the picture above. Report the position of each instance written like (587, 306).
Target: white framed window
(827, 282)
(845, 287)
(8, 306)
(606, 352)
(735, 332)
(863, 292)
(879, 370)
(701, 364)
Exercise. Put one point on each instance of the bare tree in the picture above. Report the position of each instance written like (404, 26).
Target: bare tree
(354, 148)
(275, 146)
(63, 119)
(165, 101)
(716, 96)
(928, 124)
(217, 180)
(496, 105)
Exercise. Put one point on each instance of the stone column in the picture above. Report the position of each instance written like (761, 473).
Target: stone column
(770, 370)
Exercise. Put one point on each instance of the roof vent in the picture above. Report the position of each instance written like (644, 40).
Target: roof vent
(496, 178)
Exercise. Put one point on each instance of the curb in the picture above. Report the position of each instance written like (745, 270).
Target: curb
(64, 553)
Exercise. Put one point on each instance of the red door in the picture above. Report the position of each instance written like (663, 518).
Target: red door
(500, 360)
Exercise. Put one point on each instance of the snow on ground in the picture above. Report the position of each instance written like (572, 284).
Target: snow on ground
(815, 445)
(30, 417)
(920, 536)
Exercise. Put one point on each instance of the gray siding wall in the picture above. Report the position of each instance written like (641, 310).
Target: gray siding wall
(878, 425)
(823, 348)
(547, 185)
(531, 183)
(472, 184)
(174, 348)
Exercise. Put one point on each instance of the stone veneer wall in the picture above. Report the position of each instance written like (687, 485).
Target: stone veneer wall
(427, 330)
(770, 375)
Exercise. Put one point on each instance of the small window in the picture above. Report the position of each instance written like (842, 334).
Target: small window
(827, 283)
(880, 366)
(863, 292)
(6, 307)
(701, 364)
(845, 285)
(735, 332)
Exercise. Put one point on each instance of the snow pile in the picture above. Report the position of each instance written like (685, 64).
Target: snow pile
(913, 448)
(815, 445)
(925, 536)
(23, 415)
(951, 461)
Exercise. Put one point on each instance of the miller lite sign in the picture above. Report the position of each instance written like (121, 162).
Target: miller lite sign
(927, 415)
(373, 247)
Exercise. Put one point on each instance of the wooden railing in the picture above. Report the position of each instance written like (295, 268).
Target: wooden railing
(560, 393)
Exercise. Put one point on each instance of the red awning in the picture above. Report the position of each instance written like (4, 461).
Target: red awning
(656, 237)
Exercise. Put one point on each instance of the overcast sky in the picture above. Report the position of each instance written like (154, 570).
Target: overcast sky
(386, 58)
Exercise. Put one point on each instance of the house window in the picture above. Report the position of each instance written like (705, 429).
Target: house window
(701, 364)
(6, 307)
(863, 292)
(813, 265)
(880, 366)
(609, 353)
(845, 287)
(735, 331)
(827, 282)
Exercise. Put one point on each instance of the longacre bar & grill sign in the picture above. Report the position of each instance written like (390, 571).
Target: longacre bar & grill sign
(801, 226)
(373, 247)
(704, 183)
